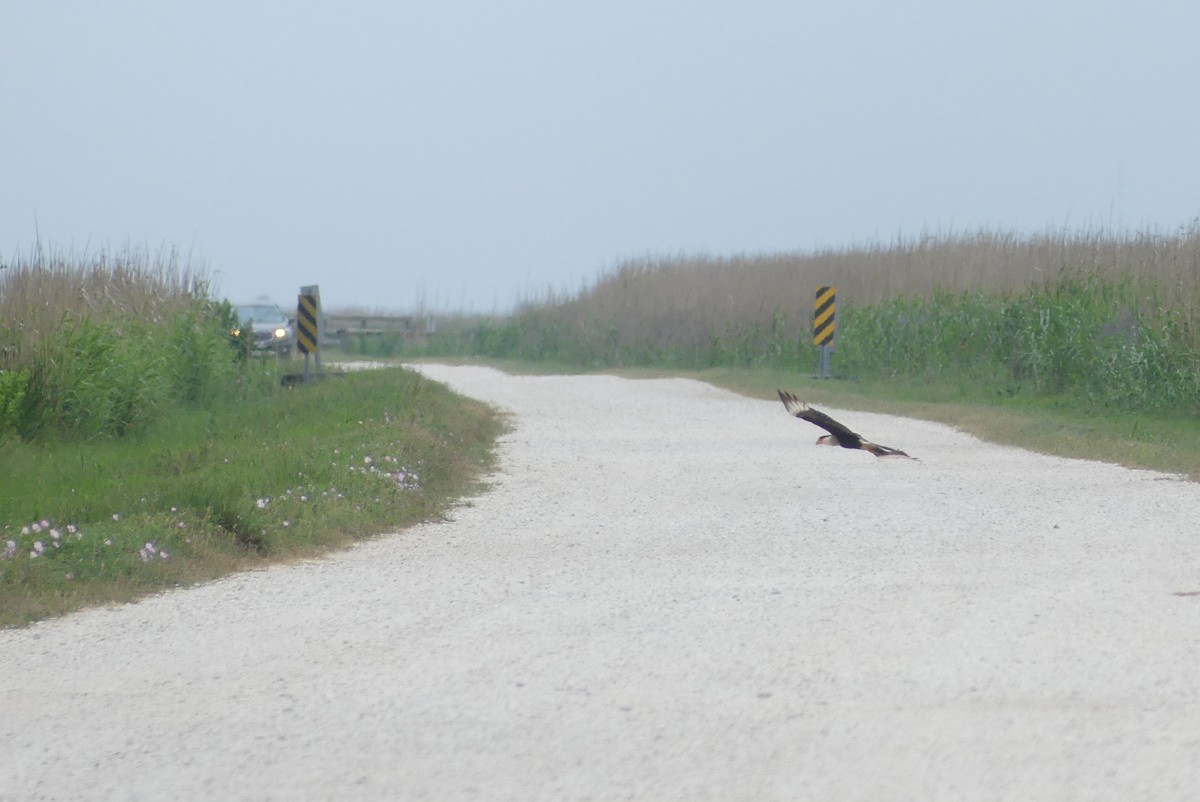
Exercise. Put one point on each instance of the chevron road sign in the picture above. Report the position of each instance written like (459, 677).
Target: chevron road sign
(825, 326)
(306, 324)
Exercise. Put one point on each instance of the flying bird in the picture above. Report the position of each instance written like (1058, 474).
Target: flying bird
(838, 435)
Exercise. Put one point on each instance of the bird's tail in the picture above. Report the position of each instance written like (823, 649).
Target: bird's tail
(884, 451)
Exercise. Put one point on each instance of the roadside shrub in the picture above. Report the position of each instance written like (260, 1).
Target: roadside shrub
(205, 352)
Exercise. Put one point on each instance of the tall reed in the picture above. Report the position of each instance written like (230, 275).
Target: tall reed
(100, 344)
(1113, 317)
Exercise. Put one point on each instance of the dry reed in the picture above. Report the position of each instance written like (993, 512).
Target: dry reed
(42, 291)
(698, 296)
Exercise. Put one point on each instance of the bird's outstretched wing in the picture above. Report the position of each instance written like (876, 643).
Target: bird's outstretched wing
(801, 410)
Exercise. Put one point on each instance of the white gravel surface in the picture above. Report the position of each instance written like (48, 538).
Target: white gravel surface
(670, 593)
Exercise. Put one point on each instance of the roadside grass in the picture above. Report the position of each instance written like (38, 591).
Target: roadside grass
(283, 474)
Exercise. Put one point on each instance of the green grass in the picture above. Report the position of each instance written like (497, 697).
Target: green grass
(1082, 338)
(284, 474)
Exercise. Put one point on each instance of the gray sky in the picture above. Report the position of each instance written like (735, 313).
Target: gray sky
(464, 155)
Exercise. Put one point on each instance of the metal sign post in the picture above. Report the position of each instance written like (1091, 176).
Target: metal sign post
(825, 326)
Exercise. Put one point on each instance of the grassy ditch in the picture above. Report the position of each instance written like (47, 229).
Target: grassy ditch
(205, 491)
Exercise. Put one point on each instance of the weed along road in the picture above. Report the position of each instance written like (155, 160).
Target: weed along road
(669, 593)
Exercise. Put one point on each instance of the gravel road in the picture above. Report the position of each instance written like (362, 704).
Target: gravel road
(669, 593)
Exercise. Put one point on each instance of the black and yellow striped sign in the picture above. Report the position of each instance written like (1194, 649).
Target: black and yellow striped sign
(306, 324)
(825, 317)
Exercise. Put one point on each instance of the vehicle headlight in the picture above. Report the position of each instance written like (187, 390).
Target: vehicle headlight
(280, 333)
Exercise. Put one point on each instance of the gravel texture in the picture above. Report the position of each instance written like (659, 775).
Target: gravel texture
(669, 593)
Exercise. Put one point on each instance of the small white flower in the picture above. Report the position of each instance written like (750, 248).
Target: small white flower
(367, 460)
(71, 529)
(108, 541)
(38, 546)
(261, 503)
(116, 516)
(163, 554)
(286, 524)
(37, 527)
(24, 530)
(45, 524)
(54, 533)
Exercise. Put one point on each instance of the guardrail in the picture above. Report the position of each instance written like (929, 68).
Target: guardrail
(337, 327)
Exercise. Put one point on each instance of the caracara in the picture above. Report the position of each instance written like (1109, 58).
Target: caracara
(838, 435)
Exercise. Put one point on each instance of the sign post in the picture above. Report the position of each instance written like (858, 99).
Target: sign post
(825, 326)
(308, 313)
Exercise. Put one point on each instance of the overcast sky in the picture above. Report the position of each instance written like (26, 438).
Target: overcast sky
(464, 155)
